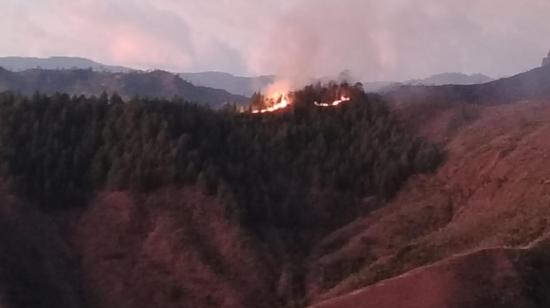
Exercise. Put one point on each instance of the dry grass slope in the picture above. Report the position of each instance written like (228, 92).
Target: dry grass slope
(492, 192)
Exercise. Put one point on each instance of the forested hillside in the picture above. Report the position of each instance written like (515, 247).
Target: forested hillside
(289, 169)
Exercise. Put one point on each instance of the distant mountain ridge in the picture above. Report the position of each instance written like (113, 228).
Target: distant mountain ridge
(451, 78)
(155, 84)
(531, 85)
(231, 83)
(19, 64)
(238, 85)
(434, 80)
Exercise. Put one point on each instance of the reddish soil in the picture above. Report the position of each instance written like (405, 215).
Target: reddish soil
(492, 191)
(173, 248)
(487, 278)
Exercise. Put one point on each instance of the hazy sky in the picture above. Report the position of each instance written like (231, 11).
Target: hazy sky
(377, 40)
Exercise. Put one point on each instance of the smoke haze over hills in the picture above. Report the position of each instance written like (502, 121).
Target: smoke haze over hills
(390, 40)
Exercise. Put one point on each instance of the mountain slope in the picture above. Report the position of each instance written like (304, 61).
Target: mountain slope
(531, 85)
(484, 278)
(491, 192)
(434, 80)
(171, 248)
(156, 84)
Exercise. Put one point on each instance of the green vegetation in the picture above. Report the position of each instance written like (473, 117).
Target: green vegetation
(287, 168)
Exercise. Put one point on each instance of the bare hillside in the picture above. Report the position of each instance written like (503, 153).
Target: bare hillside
(491, 192)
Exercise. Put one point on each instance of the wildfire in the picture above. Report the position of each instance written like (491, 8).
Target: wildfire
(280, 97)
(278, 102)
(334, 103)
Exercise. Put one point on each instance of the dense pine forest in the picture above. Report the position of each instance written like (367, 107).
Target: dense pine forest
(287, 168)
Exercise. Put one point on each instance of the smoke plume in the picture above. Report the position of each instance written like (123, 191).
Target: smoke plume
(402, 39)
(300, 39)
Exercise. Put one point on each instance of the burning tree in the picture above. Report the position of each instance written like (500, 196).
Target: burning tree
(319, 95)
(262, 104)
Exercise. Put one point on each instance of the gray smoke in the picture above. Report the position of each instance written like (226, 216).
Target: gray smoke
(375, 39)
(403, 39)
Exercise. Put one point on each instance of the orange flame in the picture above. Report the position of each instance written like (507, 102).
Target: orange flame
(335, 103)
(277, 97)
(281, 102)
